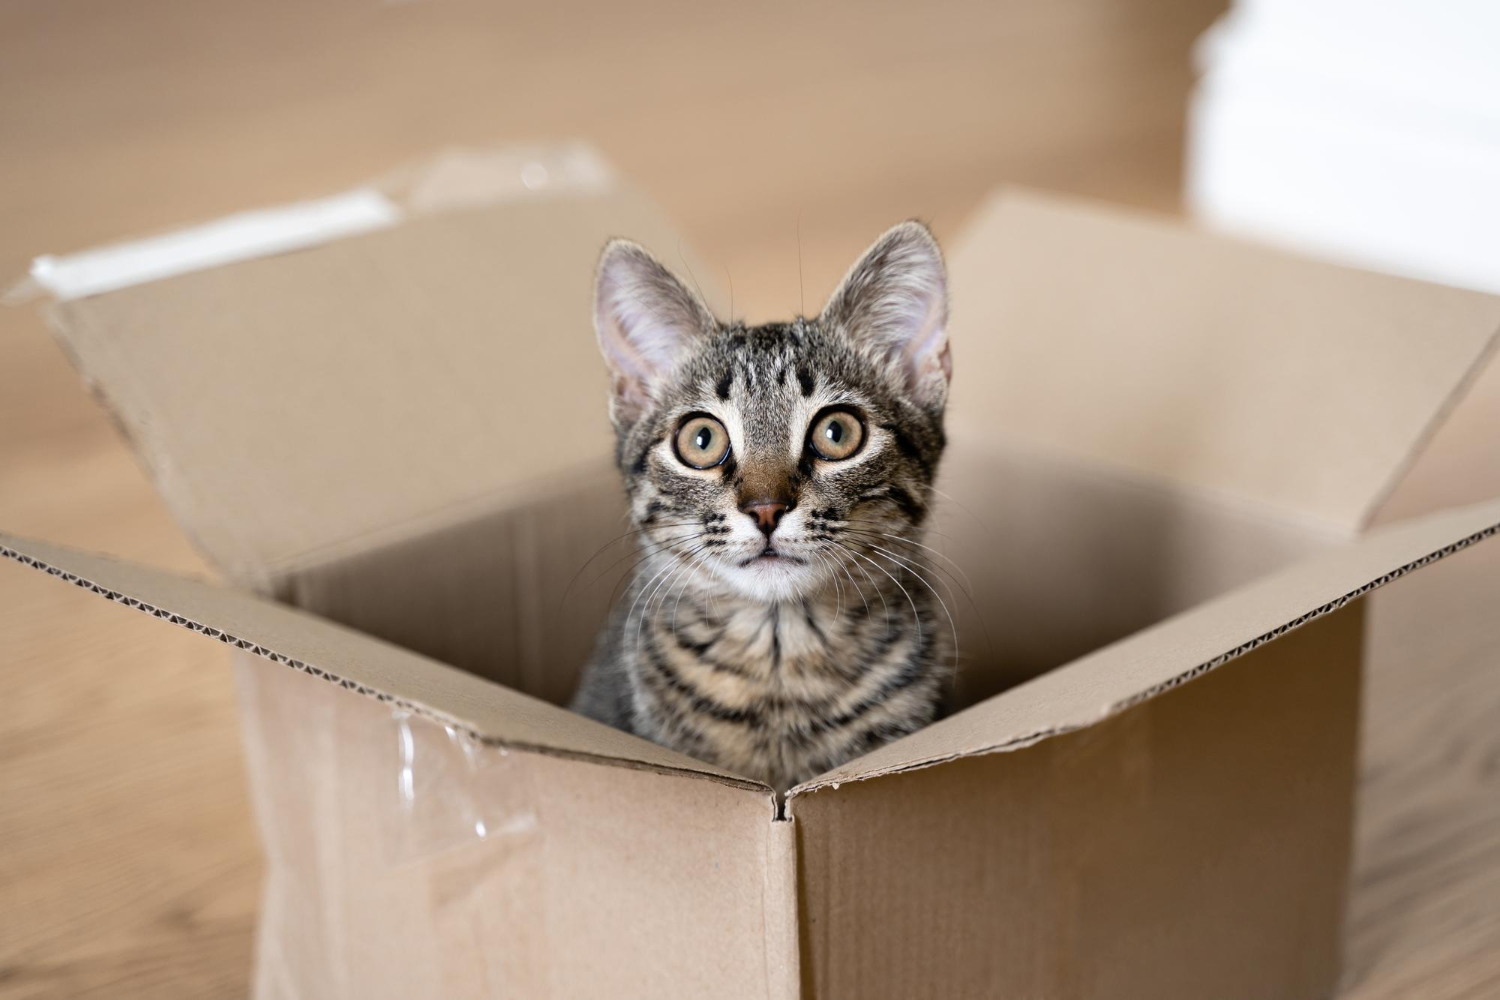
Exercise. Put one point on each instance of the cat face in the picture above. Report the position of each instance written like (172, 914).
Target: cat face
(784, 459)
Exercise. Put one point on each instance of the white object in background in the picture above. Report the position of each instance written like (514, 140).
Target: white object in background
(1363, 130)
(458, 178)
(235, 238)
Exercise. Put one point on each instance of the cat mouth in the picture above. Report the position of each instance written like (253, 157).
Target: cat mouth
(770, 556)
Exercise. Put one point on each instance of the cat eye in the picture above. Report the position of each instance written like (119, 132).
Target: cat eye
(702, 442)
(836, 435)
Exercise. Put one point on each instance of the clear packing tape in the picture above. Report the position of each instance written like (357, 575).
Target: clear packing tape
(365, 811)
(450, 790)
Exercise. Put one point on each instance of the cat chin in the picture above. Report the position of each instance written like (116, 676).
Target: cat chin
(775, 580)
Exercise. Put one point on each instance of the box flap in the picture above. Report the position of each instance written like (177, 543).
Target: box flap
(1126, 339)
(1112, 679)
(291, 403)
(486, 711)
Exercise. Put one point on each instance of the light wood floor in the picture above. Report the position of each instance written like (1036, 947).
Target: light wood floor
(128, 865)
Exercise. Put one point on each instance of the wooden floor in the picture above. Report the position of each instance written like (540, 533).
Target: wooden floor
(128, 865)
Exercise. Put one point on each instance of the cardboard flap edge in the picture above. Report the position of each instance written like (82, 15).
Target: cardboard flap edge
(1177, 651)
(487, 712)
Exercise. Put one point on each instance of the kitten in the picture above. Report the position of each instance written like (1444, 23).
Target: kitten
(781, 621)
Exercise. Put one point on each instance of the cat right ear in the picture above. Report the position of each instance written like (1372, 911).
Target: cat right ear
(644, 319)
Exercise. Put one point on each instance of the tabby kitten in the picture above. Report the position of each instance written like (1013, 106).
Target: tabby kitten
(781, 620)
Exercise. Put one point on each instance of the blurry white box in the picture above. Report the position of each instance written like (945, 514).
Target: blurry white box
(1363, 130)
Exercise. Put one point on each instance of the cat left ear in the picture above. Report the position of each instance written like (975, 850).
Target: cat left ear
(644, 318)
(895, 299)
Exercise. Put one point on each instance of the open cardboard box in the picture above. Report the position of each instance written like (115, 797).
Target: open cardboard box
(1164, 447)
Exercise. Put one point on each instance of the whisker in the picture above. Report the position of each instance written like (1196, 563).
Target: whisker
(681, 592)
(916, 615)
(989, 642)
(963, 585)
(665, 569)
(664, 575)
(627, 577)
(600, 551)
(870, 538)
(857, 588)
(801, 291)
(929, 548)
(680, 566)
(926, 583)
(840, 549)
(648, 548)
(689, 267)
(927, 530)
(717, 564)
(838, 592)
(952, 671)
(954, 500)
(682, 586)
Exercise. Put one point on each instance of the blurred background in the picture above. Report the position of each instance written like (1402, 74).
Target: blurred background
(781, 138)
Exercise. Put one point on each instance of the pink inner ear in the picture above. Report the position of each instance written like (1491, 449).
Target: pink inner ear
(928, 343)
(614, 322)
(644, 318)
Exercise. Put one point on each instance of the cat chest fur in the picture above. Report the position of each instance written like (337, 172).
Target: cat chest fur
(780, 691)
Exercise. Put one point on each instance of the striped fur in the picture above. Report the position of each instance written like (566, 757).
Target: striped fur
(777, 666)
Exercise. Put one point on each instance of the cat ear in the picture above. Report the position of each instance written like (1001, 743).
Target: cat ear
(895, 299)
(644, 318)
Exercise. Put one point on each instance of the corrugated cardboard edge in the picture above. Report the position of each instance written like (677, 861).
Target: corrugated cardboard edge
(365, 690)
(1031, 738)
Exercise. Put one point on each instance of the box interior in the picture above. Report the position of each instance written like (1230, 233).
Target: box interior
(1042, 558)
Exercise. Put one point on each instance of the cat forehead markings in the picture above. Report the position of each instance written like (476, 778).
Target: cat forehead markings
(771, 361)
(765, 383)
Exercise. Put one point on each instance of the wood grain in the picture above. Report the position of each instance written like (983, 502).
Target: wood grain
(128, 860)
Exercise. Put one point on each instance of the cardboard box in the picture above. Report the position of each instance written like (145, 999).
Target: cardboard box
(1164, 447)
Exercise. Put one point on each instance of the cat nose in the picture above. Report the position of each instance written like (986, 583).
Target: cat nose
(767, 515)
